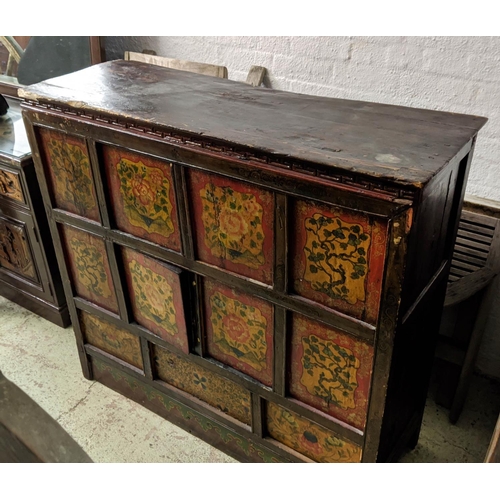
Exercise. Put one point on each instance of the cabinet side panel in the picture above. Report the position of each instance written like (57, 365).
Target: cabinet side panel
(431, 245)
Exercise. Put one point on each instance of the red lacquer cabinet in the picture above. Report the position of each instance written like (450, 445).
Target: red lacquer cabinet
(263, 268)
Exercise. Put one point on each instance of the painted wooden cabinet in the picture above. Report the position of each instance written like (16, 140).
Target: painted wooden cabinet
(29, 274)
(265, 269)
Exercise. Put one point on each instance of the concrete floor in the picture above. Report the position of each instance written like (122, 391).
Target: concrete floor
(42, 360)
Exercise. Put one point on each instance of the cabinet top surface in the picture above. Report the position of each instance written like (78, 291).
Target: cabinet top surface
(14, 145)
(394, 143)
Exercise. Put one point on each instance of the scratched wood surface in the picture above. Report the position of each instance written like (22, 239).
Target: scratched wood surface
(408, 145)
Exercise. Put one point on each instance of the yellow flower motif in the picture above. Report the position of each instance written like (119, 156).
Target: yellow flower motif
(146, 196)
(235, 333)
(154, 297)
(233, 225)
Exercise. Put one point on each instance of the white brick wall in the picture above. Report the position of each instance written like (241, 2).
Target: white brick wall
(458, 74)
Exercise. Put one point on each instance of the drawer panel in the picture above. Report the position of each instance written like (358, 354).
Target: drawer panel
(111, 339)
(239, 330)
(156, 297)
(88, 267)
(310, 439)
(68, 173)
(217, 391)
(330, 370)
(337, 258)
(233, 225)
(10, 185)
(143, 198)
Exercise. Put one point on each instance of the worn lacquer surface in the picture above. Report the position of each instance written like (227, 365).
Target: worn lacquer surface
(218, 392)
(111, 339)
(310, 439)
(330, 370)
(407, 145)
(156, 297)
(89, 267)
(234, 225)
(239, 330)
(143, 196)
(337, 258)
(67, 164)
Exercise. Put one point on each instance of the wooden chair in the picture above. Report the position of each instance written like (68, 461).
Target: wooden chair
(15, 53)
(476, 262)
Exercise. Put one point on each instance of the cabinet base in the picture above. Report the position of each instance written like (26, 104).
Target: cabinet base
(52, 313)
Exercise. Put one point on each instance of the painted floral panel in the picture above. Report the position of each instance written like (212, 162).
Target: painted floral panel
(239, 330)
(111, 339)
(89, 267)
(337, 258)
(15, 252)
(10, 185)
(156, 297)
(310, 439)
(330, 370)
(143, 195)
(69, 174)
(217, 391)
(234, 225)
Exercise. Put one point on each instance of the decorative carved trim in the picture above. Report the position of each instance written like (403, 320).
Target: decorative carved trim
(233, 151)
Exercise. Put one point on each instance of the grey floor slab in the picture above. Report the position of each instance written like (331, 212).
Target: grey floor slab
(41, 359)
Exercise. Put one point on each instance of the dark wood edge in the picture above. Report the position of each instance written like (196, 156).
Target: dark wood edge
(281, 244)
(257, 415)
(98, 186)
(436, 279)
(388, 320)
(316, 187)
(9, 89)
(199, 342)
(96, 52)
(280, 350)
(68, 291)
(313, 310)
(181, 198)
(147, 358)
(341, 428)
(117, 279)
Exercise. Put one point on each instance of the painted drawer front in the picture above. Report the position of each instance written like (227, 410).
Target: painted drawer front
(233, 225)
(68, 173)
(156, 296)
(111, 339)
(143, 196)
(239, 330)
(310, 439)
(15, 252)
(329, 370)
(89, 267)
(10, 185)
(218, 392)
(337, 258)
